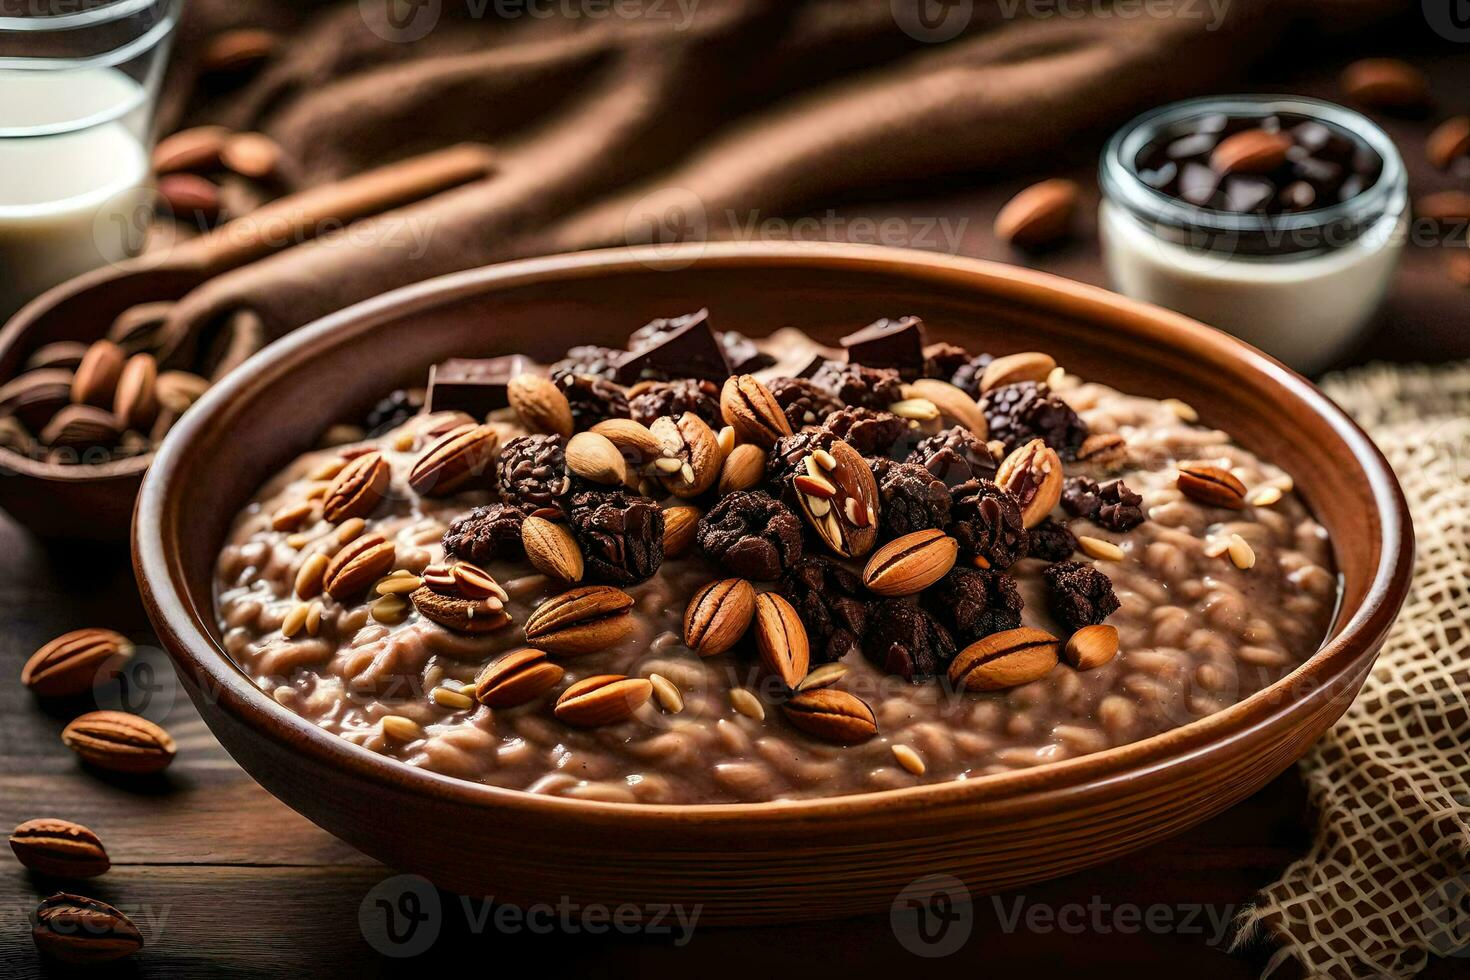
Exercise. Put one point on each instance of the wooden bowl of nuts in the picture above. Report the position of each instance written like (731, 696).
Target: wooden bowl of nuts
(639, 584)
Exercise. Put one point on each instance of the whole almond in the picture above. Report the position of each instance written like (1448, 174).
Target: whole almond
(582, 620)
(73, 662)
(1449, 141)
(83, 931)
(952, 403)
(781, 638)
(1385, 83)
(59, 848)
(839, 498)
(81, 427)
(462, 455)
(603, 699)
(552, 549)
(633, 439)
(1033, 475)
(1251, 151)
(187, 196)
(593, 457)
(95, 381)
(1006, 659)
(189, 149)
(540, 404)
(1091, 646)
(831, 715)
(458, 613)
(910, 564)
(691, 441)
(358, 489)
(119, 741)
(752, 411)
(135, 402)
(718, 616)
(360, 563)
(680, 525)
(744, 468)
(1015, 368)
(518, 677)
(253, 155)
(1211, 486)
(1040, 215)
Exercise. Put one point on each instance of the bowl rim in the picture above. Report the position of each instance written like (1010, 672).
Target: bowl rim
(1328, 672)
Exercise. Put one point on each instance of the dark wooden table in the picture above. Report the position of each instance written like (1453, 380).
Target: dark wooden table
(218, 875)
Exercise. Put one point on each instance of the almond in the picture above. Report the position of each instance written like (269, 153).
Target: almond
(1092, 646)
(1006, 659)
(360, 563)
(458, 613)
(781, 638)
(1449, 141)
(633, 439)
(1444, 206)
(718, 616)
(952, 403)
(1211, 486)
(753, 412)
(177, 390)
(358, 488)
(519, 677)
(253, 155)
(690, 441)
(95, 381)
(1033, 475)
(1039, 215)
(680, 525)
(73, 662)
(138, 329)
(744, 468)
(238, 49)
(1385, 83)
(189, 196)
(582, 620)
(59, 848)
(1251, 151)
(461, 455)
(552, 549)
(189, 149)
(1015, 368)
(840, 500)
(135, 401)
(119, 741)
(910, 564)
(593, 457)
(83, 931)
(540, 404)
(831, 715)
(603, 699)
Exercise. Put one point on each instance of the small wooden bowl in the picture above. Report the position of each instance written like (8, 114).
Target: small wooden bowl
(783, 860)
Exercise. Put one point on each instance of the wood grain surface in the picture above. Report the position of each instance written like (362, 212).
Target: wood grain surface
(221, 877)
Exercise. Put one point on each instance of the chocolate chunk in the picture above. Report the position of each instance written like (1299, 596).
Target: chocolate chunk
(829, 600)
(1051, 540)
(742, 353)
(912, 499)
(972, 603)
(1081, 595)
(621, 535)
(896, 344)
(679, 347)
(986, 521)
(475, 386)
(905, 640)
(870, 432)
(487, 533)
(751, 534)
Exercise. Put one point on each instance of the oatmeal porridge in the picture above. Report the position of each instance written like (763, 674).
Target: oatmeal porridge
(702, 570)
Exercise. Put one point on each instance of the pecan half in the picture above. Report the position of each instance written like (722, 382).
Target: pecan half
(360, 563)
(461, 455)
(718, 616)
(910, 564)
(781, 638)
(839, 497)
(459, 614)
(753, 412)
(70, 664)
(77, 930)
(1006, 659)
(1211, 486)
(59, 848)
(582, 620)
(831, 715)
(358, 488)
(518, 677)
(1033, 475)
(119, 741)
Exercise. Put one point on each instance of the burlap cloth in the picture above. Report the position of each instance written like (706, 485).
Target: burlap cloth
(1387, 881)
(615, 130)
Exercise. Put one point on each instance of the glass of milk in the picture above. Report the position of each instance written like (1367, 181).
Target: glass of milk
(78, 83)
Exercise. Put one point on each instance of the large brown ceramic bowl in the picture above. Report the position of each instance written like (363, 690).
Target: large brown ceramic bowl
(782, 860)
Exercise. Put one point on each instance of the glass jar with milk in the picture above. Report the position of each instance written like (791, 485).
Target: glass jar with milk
(78, 83)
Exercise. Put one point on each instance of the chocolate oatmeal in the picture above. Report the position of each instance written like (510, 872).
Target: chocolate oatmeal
(645, 576)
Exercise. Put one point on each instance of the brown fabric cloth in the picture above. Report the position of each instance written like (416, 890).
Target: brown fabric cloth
(682, 122)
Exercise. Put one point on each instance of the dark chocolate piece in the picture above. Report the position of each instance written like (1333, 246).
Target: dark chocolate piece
(475, 386)
(682, 347)
(897, 344)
